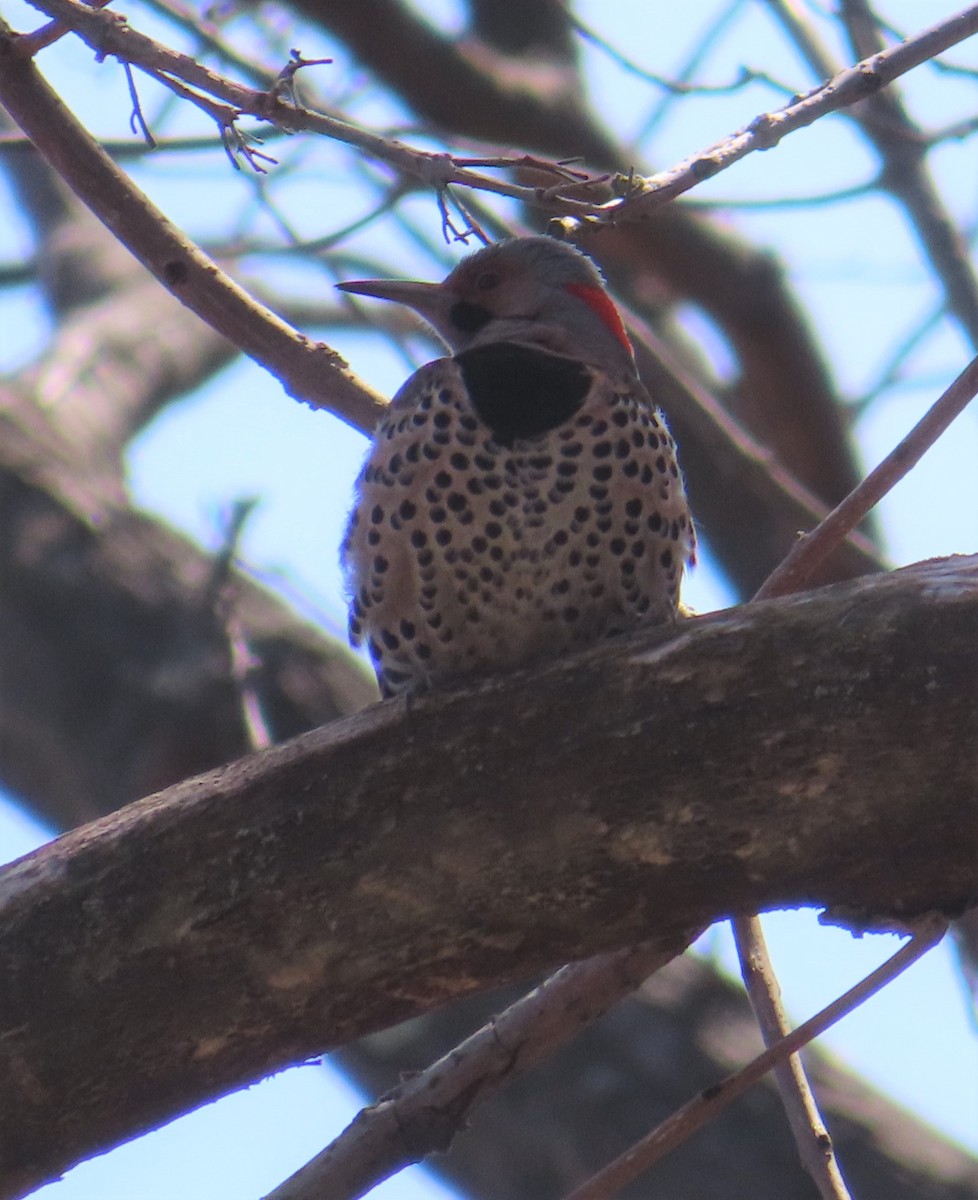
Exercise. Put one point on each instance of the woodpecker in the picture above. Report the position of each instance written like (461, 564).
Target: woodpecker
(522, 496)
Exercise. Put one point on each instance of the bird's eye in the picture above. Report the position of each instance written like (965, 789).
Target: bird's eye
(487, 280)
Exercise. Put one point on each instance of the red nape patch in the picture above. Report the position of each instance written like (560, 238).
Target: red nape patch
(600, 302)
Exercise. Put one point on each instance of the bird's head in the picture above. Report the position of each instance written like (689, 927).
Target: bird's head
(532, 290)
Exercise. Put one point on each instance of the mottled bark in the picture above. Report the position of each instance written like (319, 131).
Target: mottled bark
(381, 866)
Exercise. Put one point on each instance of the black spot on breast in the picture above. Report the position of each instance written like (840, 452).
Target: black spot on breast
(520, 392)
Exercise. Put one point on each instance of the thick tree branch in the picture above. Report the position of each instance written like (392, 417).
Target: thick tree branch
(353, 877)
(114, 665)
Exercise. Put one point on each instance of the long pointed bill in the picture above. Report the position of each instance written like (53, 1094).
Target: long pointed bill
(433, 302)
(425, 298)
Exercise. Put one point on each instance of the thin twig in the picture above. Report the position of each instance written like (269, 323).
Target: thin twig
(220, 598)
(807, 1126)
(812, 550)
(308, 371)
(679, 86)
(137, 122)
(107, 35)
(891, 373)
(902, 148)
(694, 1115)
(858, 82)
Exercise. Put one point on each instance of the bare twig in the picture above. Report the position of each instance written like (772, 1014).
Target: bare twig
(902, 148)
(285, 81)
(423, 1114)
(694, 1115)
(219, 596)
(137, 122)
(891, 372)
(807, 1126)
(106, 34)
(812, 550)
(309, 371)
(858, 82)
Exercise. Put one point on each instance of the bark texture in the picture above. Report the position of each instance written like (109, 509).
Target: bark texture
(400, 858)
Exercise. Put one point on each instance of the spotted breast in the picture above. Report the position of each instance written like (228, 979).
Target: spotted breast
(521, 497)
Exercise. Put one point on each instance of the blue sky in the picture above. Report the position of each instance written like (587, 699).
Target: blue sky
(859, 274)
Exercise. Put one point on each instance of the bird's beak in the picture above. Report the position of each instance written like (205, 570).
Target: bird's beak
(432, 302)
(428, 299)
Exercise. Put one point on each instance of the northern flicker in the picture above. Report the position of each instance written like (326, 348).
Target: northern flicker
(522, 496)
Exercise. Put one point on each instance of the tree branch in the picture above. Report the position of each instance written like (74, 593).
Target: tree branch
(902, 148)
(107, 34)
(698, 1111)
(307, 370)
(114, 671)
(351, 878)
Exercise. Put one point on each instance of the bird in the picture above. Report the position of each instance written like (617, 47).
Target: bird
(521, 496)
